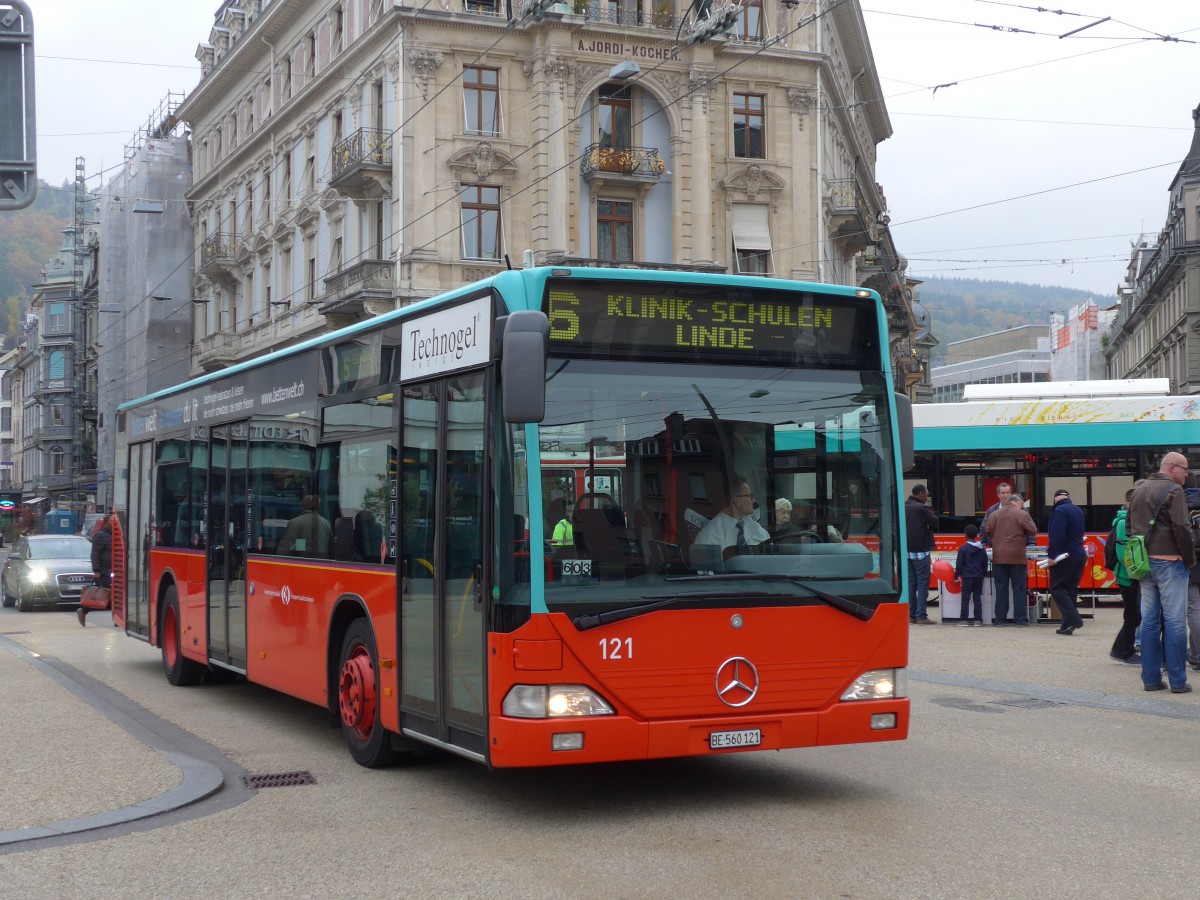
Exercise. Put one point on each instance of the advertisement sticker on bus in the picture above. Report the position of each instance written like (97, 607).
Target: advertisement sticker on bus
(447, 341)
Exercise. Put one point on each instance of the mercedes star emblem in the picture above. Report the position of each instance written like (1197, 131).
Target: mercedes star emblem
(737, 681)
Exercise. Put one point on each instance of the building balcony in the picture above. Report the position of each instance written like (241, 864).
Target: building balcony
(216, 351)
(217, 259)
(627, 14)
(640, 165)
(362, 165)
(560, 259)
(350, 291)
(492, 8)
(850, 220)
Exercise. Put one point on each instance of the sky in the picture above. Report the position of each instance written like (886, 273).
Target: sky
(1037, 159)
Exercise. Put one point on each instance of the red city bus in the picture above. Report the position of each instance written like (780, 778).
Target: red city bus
(362, 521)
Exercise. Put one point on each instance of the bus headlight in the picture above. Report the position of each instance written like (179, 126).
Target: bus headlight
(541, 701)
(37, 575)
(879, 684)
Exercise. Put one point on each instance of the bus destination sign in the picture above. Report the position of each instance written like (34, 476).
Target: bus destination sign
(636, 318)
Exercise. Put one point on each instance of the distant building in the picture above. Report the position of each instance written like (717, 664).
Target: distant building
(1076, 353)
(1018, 355)
(145, 310)
(1156, 330)
(353, 158)
(6, 418)
(54, 441)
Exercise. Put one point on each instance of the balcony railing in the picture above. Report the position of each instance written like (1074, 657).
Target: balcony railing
(484, 7)
(366, 147)
(217, 257)
(561, 259)
(217, 248)
(348, 288)
(366, 275)
(634, 162)
(850, 217)
(628, 14)
(215, 351)
(362, 164)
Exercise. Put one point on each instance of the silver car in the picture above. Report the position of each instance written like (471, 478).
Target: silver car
(47, 570)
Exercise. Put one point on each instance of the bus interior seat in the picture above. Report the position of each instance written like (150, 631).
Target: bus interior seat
(601, 535)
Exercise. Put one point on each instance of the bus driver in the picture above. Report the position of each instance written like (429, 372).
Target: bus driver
(734, 528)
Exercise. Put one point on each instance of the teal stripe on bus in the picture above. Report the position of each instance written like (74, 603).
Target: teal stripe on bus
(1147, 435)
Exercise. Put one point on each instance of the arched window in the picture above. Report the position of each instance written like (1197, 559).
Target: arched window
(58, 461)
(614, 115)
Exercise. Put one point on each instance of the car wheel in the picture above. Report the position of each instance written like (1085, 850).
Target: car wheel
(24, 603)
(9, 599)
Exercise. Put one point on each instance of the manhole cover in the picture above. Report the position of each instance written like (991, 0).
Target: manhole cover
(963, 703)
(278, 779)
(1029, 703)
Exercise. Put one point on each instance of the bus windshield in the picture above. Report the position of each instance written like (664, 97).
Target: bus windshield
(730, 484)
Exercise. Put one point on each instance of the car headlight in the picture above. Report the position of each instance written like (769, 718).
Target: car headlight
(542, 701)
(878, 684)
(37, 575)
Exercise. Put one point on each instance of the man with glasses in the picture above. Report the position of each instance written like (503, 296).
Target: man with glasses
(733, 528)
(1169, 545)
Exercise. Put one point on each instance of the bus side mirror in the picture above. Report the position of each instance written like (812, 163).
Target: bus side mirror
(904, 426)
(523, 366)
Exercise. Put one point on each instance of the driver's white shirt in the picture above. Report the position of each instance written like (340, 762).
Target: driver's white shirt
(721, 531)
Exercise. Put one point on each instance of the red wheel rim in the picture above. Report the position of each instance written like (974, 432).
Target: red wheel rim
(356, 693)
(170, 641)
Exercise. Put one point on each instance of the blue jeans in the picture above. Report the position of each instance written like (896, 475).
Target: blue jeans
(1164, 622)
(918, 586)
(1010, 576)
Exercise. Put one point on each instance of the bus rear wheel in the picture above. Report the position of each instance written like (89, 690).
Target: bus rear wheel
(180, 670)
(358, 699)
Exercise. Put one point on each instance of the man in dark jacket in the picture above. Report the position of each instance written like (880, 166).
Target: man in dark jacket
(1165, 588)
(1067, 559)
(101, 561)
(920, 525)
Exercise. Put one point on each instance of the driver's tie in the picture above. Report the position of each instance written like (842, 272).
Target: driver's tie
(741, 537)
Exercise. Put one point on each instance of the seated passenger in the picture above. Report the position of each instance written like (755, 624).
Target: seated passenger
(806, 520)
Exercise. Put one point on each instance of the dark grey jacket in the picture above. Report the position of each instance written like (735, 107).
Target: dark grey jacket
(1172, 531)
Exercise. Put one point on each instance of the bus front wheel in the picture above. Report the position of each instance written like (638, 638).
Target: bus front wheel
(358, 699)
(180, 670)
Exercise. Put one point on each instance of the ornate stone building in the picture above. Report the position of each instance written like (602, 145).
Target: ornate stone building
(355, 155)
(1156, 332)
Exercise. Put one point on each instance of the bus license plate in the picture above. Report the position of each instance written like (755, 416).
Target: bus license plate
(751, 737)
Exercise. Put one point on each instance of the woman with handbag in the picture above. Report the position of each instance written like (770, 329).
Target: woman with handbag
(101, 570)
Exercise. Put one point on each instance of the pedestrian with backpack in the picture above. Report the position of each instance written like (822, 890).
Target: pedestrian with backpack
(1158, 515)
(1124, 648)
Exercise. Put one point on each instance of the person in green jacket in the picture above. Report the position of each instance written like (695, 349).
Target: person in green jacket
(1124, 648)
(564, 531)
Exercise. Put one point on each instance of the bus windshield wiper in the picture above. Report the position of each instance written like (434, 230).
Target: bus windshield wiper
(583, 623)
(844, 604)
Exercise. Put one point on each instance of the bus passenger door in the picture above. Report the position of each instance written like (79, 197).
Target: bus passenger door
(137, 539)
(441, 515)
(227, 545)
